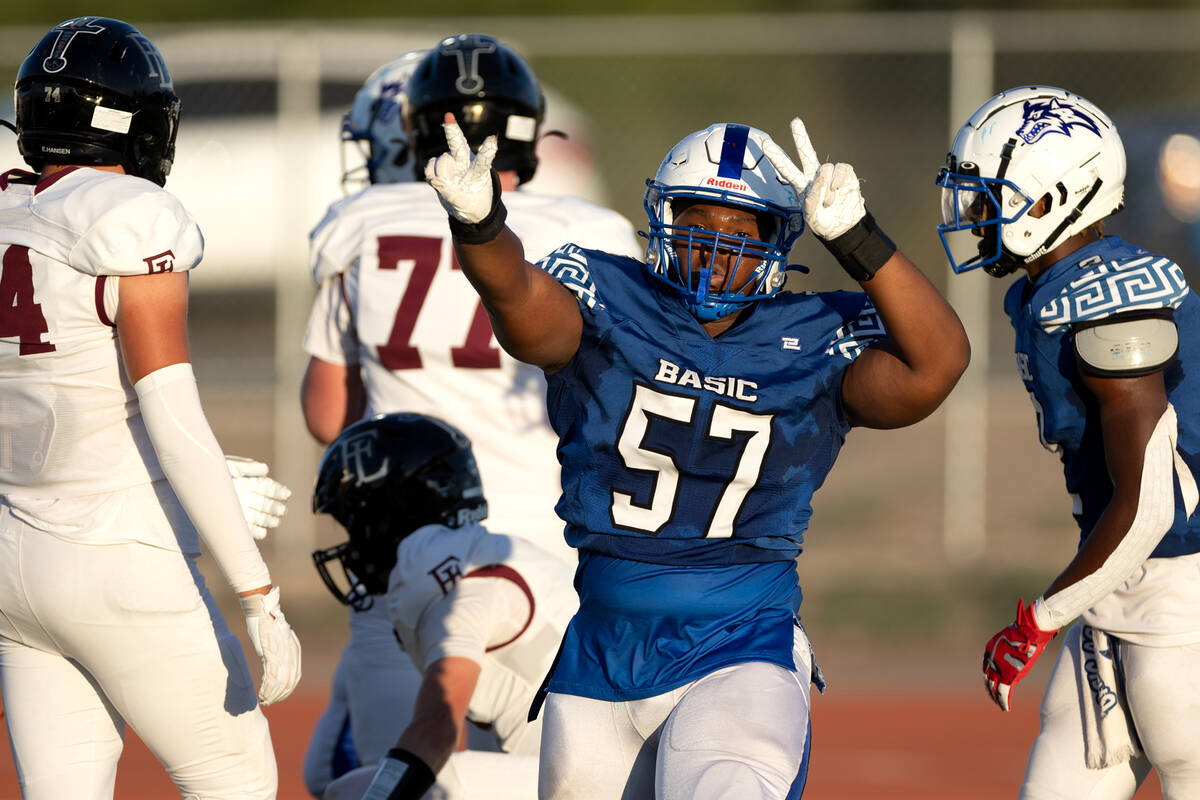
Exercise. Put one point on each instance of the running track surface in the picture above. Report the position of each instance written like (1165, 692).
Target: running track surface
(917, 746)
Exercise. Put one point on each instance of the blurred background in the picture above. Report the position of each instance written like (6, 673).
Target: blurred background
(922, 538)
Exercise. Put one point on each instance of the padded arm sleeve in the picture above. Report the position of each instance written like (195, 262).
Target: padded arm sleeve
(1155, 513)
(195, 467)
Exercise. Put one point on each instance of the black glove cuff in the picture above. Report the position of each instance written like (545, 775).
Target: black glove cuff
(487, 228)
(862, 250)
(413, 782)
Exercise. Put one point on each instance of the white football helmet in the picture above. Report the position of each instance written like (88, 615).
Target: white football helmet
(1023, 145)
(374, 127)
(724, 163)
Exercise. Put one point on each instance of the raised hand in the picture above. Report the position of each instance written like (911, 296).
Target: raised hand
(799, 177)
(464, 184)
(834, 203)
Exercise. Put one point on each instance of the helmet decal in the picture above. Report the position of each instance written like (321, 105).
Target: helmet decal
(56, 60)
(1052, 116)
(356, 451)
(467, 51)
(157, 68)
(733, 151)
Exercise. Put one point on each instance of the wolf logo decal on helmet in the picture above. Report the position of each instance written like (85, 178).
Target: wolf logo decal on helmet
(1053, 116)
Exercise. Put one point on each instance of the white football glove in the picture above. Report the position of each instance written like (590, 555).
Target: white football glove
(799, 177)
(834, 203)
(262, 499)
(276, 644)
(463, 183)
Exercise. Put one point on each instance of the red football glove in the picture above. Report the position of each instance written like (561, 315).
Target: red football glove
(1011, 653)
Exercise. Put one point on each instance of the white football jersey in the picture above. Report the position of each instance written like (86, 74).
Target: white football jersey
(69, 419)
(394, 301)
(495, 599)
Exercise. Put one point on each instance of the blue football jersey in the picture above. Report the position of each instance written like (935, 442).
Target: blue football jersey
(1101, 280)
(688, 468)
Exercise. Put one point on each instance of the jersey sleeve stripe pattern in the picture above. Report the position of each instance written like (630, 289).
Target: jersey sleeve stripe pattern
(1116, 287)
(850, 340)
(568, 266)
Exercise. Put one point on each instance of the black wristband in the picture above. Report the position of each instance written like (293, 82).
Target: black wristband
(862, 250)
(410, 784)
(487, 228)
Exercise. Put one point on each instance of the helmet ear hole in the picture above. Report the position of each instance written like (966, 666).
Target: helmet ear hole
(1042, 207)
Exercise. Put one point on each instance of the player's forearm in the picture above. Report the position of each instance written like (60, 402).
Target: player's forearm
(497, 269)
(433, 737)
(1127, 532)
(193, 464)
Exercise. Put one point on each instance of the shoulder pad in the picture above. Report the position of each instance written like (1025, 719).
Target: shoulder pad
(126, 225)
(1127, 346)
(1143, 283)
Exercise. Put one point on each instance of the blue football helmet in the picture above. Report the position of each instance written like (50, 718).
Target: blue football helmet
(724, 164)
(375, 126)
(1025, 145)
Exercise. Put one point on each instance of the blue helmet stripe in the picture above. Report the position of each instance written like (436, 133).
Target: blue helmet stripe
(733, 151)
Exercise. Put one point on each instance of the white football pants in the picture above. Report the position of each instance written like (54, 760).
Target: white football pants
(468, 775)
(742, 731)
(92, 636)
(1162, 689)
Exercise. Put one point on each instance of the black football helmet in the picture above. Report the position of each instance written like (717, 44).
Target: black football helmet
(489, 89)
(96, 91)
(383, 478)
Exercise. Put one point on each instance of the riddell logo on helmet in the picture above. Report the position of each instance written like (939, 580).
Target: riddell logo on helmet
(725, 183)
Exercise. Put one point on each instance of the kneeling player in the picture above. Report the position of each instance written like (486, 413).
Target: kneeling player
(480, 614)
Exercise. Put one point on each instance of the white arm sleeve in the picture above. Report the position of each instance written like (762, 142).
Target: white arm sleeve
(477, 614)
(1155, 513)
(195, 467)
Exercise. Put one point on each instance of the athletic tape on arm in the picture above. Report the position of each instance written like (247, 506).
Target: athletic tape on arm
(193, 463)
(1155, 513)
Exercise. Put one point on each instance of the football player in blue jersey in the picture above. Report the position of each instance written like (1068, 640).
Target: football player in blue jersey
(698, 407)
(1105, 332)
